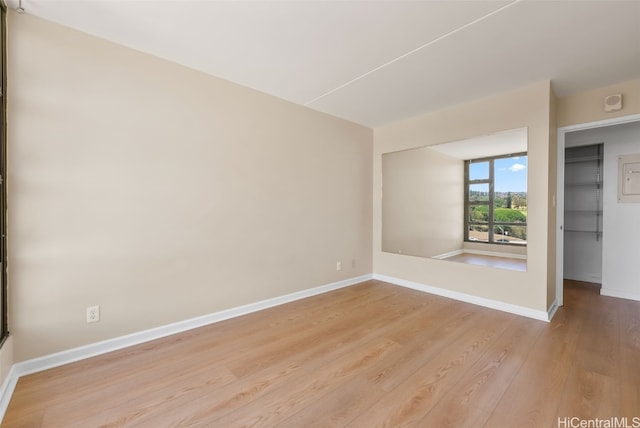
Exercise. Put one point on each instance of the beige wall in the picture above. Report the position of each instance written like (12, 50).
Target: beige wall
(161, 194)
(588, 106)
(527, 107)
(514, 250)
(416, 182)
(552, 199)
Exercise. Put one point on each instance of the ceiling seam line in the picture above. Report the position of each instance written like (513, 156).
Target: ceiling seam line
(437, 39)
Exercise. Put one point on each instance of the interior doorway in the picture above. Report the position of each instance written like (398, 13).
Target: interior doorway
(599, 126)
(583, 213)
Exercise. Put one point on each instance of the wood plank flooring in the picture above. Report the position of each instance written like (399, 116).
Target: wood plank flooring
(370, 355)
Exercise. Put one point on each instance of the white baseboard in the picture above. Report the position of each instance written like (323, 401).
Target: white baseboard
(622, 294)
(552, 309)
(447, 255)
(583, 277)
(468, 298)
(71, 355)
(8, 386)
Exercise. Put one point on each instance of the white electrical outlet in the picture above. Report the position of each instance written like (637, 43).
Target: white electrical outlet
(339, 266)
(93, 314)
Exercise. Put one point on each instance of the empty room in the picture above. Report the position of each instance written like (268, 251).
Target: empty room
(320, 213)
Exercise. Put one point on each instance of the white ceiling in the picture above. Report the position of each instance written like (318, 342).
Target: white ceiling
(501, 143)
(375, 62)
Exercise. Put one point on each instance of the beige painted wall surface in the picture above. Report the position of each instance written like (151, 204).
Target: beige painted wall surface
(526, 107)
(552, 229)
(588, 106)
(161, 194)
(413, 181)
(514, 250)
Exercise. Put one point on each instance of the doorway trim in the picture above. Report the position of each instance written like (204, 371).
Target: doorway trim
(562, 131)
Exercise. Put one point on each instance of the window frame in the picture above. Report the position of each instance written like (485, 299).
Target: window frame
(4, 326)
(491, 223)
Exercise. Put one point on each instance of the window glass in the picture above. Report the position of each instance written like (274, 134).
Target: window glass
(479, 192)
(479, 214)
(478, 170)
(504, 189)
(479, 233)
(510, 183)
(511, 234)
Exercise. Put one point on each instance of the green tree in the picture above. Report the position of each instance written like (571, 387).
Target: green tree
(509, 215)
(479, 213)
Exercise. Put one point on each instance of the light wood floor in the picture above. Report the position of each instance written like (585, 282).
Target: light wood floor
(369, 355)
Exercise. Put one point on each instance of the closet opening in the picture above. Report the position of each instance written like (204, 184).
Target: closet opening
(583, 214)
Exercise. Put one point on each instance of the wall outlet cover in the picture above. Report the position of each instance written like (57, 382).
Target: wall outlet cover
(93, 314)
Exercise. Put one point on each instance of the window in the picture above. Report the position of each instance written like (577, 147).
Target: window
(496, 200)
(3, 164)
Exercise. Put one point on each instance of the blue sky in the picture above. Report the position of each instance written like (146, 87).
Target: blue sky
(510, 173)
